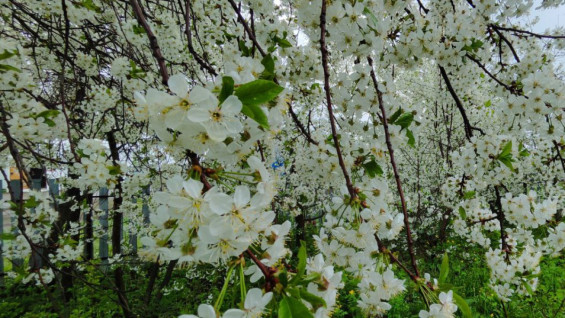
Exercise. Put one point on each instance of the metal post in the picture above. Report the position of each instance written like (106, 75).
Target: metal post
(53, 189)
(103, 242)
(131, 232)
(16, 188)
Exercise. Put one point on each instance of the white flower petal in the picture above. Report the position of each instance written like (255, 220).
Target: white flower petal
(206, 311)
(220, 203)
(198, 114)
(242, 196)
(216, 131)
(193, 188)
(234, 313)
(199, 94)
(231, 106)
(178, 85)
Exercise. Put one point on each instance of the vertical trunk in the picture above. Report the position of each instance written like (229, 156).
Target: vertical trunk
(117, 219)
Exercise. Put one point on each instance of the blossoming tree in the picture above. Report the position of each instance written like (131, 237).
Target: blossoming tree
(383, 118)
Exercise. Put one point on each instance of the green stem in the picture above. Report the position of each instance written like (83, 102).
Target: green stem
(237, 179)
(225, 184)
(242, 287)
(238, 173)
(220, 299)
(342, 212)
(172, 231)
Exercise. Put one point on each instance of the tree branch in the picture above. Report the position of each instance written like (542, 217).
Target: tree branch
(324, 51)
(468, 128)
(394, 169)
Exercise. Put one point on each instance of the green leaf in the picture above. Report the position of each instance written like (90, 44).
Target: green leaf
(255, 93)
(469, 195)
(245, 51)
(7, 54)
(257, 114)
(395, 116)
(462, 213)
(311, 278)
(114, 170)
(301, 268)
(411, 139)
(283, 278)
(47, 116)
(330, 140)
(5, 68)
(506, 150)
(507, 161)
(138, 29)
(258, 92)
(474, 47)
(404, 120)
(269, 64)
(290, 307)
(445, 287)
(523, 152)
(505, 155)
(227, 88)
(293, 292)
(373, 169)
(444, 269)
(462, 305)
(282, 42)
(7, 236)
(315, 301)
(528, 287)
(89, 4)
(302, 255)
(488, 103)
(31, 203)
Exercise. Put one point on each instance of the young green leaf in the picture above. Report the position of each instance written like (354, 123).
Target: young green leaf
(469, 195)
(462, 213)
(506, 150)
(301, 268)
(269, 64)
(373, 169)
(462, 305)
(290, 307)
(404, 120)
(227, 88)
(258, 92)
(7, 54)
(5, 68)
(315, 301)
(411, 139)
(444, 269)
(7, 236)
(254, 94)
(395, 116)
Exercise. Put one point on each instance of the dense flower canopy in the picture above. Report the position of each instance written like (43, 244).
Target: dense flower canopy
(377, 119)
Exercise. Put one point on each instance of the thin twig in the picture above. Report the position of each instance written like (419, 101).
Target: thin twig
(537, 35)
(395, 170)
(324, 51)
(468, 128)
